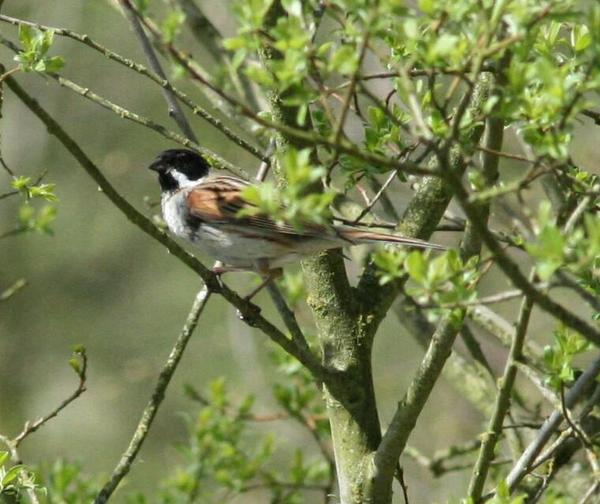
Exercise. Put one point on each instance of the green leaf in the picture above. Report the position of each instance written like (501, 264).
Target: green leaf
(344, 60)
(141, 5)
(427, 6)
(74, 363)
(416, 266)
(21, 183)
(171, 25)
(3, 457)
(44, 191)
(12, 474)
(26, 37)
(292, 7)
(54, 64)
(79, 349)
(581, 37)
(259, 75)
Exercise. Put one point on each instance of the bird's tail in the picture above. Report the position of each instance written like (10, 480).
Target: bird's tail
(356, 236)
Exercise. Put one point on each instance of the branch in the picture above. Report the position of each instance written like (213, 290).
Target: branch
(525, 462)
(156, 399)
(437, 463)
(592, 114)
(413, 402)
(421, 217)
(297, 134)
(203, 30)
(468, 378)
(571, 283)
(208, 35)
(131, 65)
(174, 109)
(31, 427)
(511, 269)
(502, 405)
(214, 159)
(440, 347)
(249, 311)
(348, 98)
(9, 292)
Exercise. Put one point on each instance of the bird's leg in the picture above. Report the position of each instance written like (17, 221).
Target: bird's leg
(219, 269)
(268, 275)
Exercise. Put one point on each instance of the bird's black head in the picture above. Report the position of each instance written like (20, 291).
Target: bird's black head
(179, 167)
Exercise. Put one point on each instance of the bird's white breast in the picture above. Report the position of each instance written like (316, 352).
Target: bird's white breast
(176, 214)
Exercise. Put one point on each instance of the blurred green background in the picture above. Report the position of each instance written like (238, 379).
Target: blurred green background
(101, 282)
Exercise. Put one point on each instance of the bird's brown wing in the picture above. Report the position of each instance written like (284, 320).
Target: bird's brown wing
(218, 200)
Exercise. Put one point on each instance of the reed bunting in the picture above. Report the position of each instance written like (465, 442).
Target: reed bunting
(204, 209)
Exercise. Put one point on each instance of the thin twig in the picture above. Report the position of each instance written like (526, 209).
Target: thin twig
(376, 198)
(594, 489)
(136, 67)
(362, 50)
(592, 114)
(511, 268)
(29, 428)
(571, 283)
(507, 155)
(500, 297)
(538, 380)
(572, 423)
(566, 434)
(502, 405)
(209, 36)
(263, 169)
(523, 465)
(174, 109)
(122, 112)
(156, 399)
(577, 213)
(288, 316)
(309, 137)
(6, 294)
(210, 156)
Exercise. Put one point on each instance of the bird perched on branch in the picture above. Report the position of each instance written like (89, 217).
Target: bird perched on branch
(205, 209)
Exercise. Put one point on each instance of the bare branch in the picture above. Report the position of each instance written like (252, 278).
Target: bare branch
(525, 462)
(6, 294)
(156, 399)
(131, 65)
(511, 269)
(30, 427)
(208, 35)
(502, 405)
(174, 109)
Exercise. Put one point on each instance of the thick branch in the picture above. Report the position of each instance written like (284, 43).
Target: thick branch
(471, 380)
(440, 346)
(421, 217)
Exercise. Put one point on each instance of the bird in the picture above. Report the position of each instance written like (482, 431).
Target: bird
(204, 209)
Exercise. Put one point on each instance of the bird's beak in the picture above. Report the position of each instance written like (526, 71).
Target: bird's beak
(157, 166)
